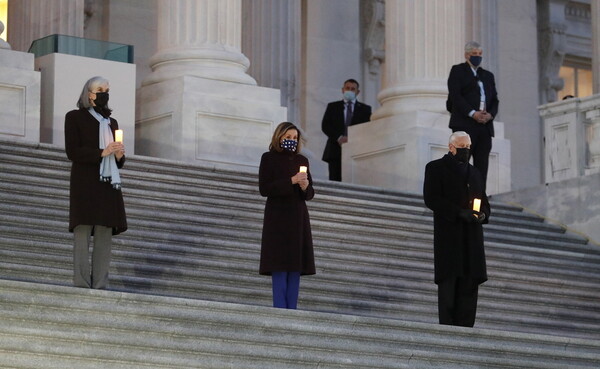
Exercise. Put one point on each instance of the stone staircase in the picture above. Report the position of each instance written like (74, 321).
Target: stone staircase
(185, 293)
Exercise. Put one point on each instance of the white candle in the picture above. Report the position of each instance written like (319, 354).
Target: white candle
(303, 169)
(119, 135)
(476, 204)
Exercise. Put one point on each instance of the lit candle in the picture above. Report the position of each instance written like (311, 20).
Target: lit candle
(476, 204)
(303, 169)
(119, 135)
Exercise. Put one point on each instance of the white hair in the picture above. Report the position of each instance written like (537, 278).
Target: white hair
(472, 45)
(92, 83)
(456, 135)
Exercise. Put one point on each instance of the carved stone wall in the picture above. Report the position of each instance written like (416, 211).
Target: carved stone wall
(372, 18)
(572, 133)
(551, 47)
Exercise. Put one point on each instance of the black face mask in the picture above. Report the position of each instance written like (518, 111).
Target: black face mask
(101, 99)
(462, 154)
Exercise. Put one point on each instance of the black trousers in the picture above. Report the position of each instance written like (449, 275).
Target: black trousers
(457, 301)
(335, 170)
(481, 145)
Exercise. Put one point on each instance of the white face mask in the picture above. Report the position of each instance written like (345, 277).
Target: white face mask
(349, 95)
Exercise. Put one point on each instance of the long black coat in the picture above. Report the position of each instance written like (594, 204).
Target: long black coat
(286, 238)
(458, 245)
(464, 94)
(333, 126)
(92, 202)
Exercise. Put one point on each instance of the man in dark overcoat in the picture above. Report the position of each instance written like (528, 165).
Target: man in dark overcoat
(338, 116)
(473, 104)
(451, 185)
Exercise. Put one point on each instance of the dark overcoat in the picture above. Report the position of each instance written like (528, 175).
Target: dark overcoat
(92, 202)
(286, 238)
(333, 126)
(464, 95)
(458, 245)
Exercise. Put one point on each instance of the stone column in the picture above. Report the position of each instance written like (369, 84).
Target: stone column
(423, 39)
(198, 104)
(271, 40)
(594, 115)
(482, 26)
(30, 20)
(552, 47)
(596, 45)
(200, 38)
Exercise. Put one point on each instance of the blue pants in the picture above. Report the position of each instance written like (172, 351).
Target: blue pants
(286, 286)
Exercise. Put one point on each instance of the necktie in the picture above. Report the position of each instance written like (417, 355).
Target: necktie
(348, 119)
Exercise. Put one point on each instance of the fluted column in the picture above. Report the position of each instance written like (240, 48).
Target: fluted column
(30, 20)
(423, 38)
(482, 26)
(596, 45)
(200, 38)
(271, 40)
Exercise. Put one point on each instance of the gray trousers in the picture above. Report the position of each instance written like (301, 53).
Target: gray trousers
(98, 278)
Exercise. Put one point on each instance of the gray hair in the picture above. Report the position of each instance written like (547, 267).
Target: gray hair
(472, 45)
(454, 136)
(92, 83)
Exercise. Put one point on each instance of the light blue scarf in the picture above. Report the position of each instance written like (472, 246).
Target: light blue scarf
(109, 172)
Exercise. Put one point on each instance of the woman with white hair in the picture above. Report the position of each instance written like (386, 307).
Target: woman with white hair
(96, 202)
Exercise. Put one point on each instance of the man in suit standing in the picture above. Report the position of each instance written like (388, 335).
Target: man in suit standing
(473, 104)
(338, 116)
(450, 188)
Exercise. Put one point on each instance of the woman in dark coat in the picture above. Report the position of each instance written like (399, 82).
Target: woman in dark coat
(287, 250)
(96, 202)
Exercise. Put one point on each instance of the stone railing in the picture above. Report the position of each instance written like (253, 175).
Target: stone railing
(572, 138)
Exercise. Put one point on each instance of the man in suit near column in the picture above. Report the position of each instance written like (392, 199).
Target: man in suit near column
(473, 104)
(338, 116)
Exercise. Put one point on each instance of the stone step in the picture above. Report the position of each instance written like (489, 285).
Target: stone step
(347, 285)
(145, 229)
(54, 326)
(194, 232)
(36, 217)
(180, 185)
(48, 157)
(202, 204)
(394, 244)
(155, 260)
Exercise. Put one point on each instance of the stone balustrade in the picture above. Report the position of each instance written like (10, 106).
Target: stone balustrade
(572, 138)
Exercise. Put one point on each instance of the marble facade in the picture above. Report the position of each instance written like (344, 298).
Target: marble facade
(411, 126)
(290, 57)
(198, 103)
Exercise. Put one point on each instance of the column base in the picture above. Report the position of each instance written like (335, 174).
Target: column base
(392, 152)
(221, 65)
(20, 96)
(216, 123)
